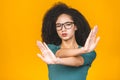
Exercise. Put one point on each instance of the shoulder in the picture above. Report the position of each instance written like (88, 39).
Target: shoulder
(93, 53)
(53, 47)
(89, 57)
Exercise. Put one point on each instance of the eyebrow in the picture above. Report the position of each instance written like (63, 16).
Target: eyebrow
(65, 22)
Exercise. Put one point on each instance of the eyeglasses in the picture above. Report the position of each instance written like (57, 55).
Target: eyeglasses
(67, 25)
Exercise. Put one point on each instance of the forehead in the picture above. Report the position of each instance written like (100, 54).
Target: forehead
(64, 18)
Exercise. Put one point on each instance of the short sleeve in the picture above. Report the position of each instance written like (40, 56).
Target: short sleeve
(52, 47)
(89, 57)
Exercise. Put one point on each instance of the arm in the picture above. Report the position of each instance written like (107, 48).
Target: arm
(84, 59)
(71, 61)
(69, 52)
(89, 46)
(48, 57)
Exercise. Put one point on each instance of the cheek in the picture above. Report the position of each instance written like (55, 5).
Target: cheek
(71, 32)
(58, 32)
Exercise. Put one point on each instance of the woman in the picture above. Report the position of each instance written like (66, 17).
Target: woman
(68, 43)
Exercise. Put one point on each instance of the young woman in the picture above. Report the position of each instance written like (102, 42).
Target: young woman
(68, 43)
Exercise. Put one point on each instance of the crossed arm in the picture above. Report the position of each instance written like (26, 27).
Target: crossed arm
(69, 57)
(48, 57)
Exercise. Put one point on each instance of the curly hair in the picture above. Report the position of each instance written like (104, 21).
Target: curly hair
(49, 33)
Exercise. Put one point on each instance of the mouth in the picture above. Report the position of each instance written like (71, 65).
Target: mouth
(64, 34)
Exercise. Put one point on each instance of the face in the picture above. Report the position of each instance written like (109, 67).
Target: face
(65, 27)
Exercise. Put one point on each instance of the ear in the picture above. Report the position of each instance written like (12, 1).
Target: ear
(75, 28)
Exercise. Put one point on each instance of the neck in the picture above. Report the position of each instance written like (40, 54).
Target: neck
(71, 43)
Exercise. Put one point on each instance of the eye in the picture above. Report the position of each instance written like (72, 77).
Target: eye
(58, 25)
(68, 24)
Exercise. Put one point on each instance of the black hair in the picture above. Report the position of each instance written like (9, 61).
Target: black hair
(49, 33)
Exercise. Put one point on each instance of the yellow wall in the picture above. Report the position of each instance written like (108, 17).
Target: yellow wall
(20, 26)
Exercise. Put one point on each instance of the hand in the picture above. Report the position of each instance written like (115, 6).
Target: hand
(91, 41)
(47, 55)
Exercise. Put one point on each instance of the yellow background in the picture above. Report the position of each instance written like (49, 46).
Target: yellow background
(20, 27)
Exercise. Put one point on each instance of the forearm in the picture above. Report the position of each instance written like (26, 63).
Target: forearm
(71, 61)
(68, 52)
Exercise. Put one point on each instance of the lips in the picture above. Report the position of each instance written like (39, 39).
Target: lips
(64, 34)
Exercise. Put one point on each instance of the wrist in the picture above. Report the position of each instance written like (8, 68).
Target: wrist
(58, 60)
(82, 50)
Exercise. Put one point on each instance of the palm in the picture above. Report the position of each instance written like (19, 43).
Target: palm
(91, 41)
(47, 55)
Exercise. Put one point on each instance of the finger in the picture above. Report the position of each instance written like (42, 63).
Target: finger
(93, 36)
(40, 56)
(97, 40)
(40, 44)
(49, 49)
(95, 29)
(88, 39)
(41, 47)
(92, 41)
(46, 46)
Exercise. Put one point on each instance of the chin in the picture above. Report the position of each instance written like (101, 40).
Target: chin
(65, 38)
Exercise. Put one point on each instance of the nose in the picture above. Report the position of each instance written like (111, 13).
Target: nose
(63, 28)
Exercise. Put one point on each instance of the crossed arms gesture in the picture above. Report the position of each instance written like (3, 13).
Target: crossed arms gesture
(48, 57)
